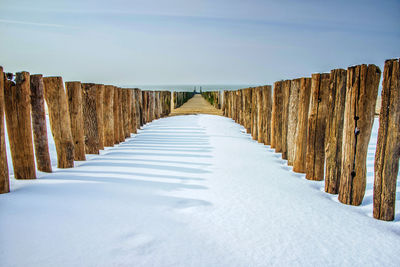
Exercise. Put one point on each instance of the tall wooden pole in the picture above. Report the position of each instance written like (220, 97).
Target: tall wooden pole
(388, 147)
(361, 94)
(267, 108)
(125, 113)
(117, 120)
(299, 162)
(334, 130)
(74, 94)
(39, 125)
(260, 116)
(99, 112)
(277, 116)
(133, 111)
(4, 175)
(121, 116)
(293, 113)
(315, 158)
(90, 119)
(108, 115)
(60, 123)
(18, 117)
(285, 116)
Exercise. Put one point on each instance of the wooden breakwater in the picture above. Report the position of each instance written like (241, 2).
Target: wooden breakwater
(322, 125)
(84, 118)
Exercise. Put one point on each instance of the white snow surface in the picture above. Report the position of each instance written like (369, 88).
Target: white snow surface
(191, 190)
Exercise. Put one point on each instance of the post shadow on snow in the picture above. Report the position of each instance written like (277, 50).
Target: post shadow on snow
(152, 161)
(164, 149)
(134, 153)
(132, 164)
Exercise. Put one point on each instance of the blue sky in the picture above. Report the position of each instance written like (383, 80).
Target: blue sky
(195, 42)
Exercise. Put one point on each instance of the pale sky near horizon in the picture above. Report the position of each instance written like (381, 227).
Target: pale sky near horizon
(195, 42)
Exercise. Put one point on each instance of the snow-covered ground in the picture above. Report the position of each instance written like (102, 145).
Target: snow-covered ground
(189, 191)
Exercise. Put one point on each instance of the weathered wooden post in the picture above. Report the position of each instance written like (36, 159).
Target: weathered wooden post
(108, 115)
(315, 158)
(89, 92)
(260, 116)
(125, 113)
(267, 108)
(285, 116)
(361, 94)
(4, 175)
(254, 114)
(299, 163)
(292, 120)
(60, 123)
(248, 110)
(133, 124)
(99, 112)
(117, 121)
(38, 115)
(277, 116)
(388, 147)
(74, 94)
(18, 117)
(121, 116)
(334, 130)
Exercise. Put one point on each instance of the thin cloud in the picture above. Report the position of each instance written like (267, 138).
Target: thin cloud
(33, 23)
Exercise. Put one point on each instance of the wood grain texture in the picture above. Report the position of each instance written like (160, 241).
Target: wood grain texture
(121, 116)
(361, 94)
(60, 122)
(4, 174)
(315, 157)
(277, 117)
(267, 109)
(293, 112)
(108, 115)
(99, 112)
(299, 163)
(117, 120)
(90, 119)
(254, 114)
(74, 94)
(285, 116)
(39, 126)
(388, 147)
(334, 130)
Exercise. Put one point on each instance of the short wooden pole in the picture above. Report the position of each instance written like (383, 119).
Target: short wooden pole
(299, 163)
(267, 108)
(277, 116)
(388, 147)
(254, 113)
(260, 115)
(292, 120)
(74, 94)
(334, 130)
(4, 175)
(108, 115)
(315, 158)
(39, 125)
(90, 118)
(361, 94)
(126, 113)
(133, 123)
(121, 116)
(60, 123)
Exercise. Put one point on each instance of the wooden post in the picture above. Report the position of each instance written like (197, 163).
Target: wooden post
(117, 120)
(315, 158)
(388, 147)
(90, 118)
(39, 127)
(260, 115)
(133, 124)
(4, 175)
(99, 112)
(248, 103)
(108, 115)
(145, 104)
(74, 94)
(361, 94)
(285, 116)
(299, 162)
(125, 113)
(277, 116)
(267, 108)
(18, 117)
(254, 114)
(334, 130)
(121, 116)
(292, 119)
(60, 123)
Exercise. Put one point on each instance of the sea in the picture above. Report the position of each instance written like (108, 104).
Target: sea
(192, 87)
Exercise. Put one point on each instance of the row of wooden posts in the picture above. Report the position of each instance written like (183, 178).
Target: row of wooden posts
(322, 126)
(84, 119)
(214, 97)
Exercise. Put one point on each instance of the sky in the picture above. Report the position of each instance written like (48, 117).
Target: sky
(142, 42)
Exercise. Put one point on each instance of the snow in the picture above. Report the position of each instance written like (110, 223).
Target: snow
(189, 191)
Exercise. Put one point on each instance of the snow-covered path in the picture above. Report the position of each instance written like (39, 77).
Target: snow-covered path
(189, 191)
